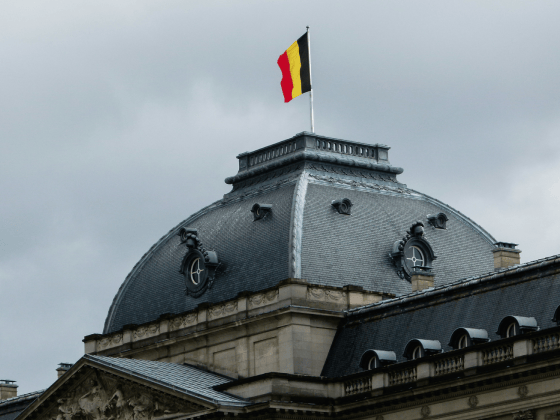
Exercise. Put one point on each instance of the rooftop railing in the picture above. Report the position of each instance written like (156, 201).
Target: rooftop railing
(312, 142)
(453, 362)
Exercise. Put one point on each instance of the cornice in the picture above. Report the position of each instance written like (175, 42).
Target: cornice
(314, 156)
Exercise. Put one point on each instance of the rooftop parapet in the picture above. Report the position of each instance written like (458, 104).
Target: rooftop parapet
(312, 147)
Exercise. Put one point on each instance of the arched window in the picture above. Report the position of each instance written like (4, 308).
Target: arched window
(417, 352)
(373, 363)
(511, 330)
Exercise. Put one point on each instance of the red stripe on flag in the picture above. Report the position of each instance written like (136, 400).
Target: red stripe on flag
(286, 83)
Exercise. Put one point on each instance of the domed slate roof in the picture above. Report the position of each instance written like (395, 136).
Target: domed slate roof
(303, 236)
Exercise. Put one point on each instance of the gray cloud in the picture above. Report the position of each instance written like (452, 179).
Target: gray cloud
(120, 119)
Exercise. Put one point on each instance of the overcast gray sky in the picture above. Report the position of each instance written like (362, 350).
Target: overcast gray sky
(118, 119)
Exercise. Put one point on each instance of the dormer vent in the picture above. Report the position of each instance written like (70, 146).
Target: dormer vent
(439, 221)
(342, 206)
(260, 211)
(373, 359)
(514, 325)
(466, 337)
(418, 348)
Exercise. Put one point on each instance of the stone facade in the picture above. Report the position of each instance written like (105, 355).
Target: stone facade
(288, 329)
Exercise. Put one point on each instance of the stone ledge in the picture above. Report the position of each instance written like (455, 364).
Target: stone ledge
(288, 292)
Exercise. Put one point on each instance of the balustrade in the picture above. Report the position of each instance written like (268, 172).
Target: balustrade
(449, 365)
(497, 354)
(546, 343)
(402, 376)
(357, 386)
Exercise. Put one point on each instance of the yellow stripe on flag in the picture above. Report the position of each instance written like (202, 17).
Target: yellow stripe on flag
(295, 66)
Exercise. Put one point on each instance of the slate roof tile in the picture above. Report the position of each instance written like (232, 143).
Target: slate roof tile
(188, 379)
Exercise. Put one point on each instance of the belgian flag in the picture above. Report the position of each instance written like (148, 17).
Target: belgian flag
(296, 71)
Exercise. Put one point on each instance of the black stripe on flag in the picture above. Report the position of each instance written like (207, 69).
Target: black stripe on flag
(304, 58)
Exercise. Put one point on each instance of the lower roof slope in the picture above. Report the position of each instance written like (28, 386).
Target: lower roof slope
(12, 407)
(530, 290)
(188, 379)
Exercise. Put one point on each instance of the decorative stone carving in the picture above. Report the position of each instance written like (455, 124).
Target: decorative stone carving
(317, 293)
(412, 252)
(262, 299)
(101, 397)
(183, 321)
(145, 331)
(522, 391)
(473, 401)
(111, 341)
(425, 411)
(222, 310)
(524, 415)
(199, 265)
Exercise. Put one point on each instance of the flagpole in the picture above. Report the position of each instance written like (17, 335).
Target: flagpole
(310, 81)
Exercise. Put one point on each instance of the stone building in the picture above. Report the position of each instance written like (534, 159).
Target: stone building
(320, 286)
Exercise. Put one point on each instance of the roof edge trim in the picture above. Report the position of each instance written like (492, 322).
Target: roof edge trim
(554, 259)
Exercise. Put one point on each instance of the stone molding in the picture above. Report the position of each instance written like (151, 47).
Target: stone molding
(287, 292)
(222, 310)
(146, 331)
(181, 322)
(263, 299)
(323, 294)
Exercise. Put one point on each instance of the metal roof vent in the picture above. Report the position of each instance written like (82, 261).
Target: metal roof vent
(260, 211)
(439, 221)
(343, 206)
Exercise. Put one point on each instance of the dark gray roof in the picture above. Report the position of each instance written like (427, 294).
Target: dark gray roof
(187, 379)
(12, 407)
(304, 237)
(433, 314)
